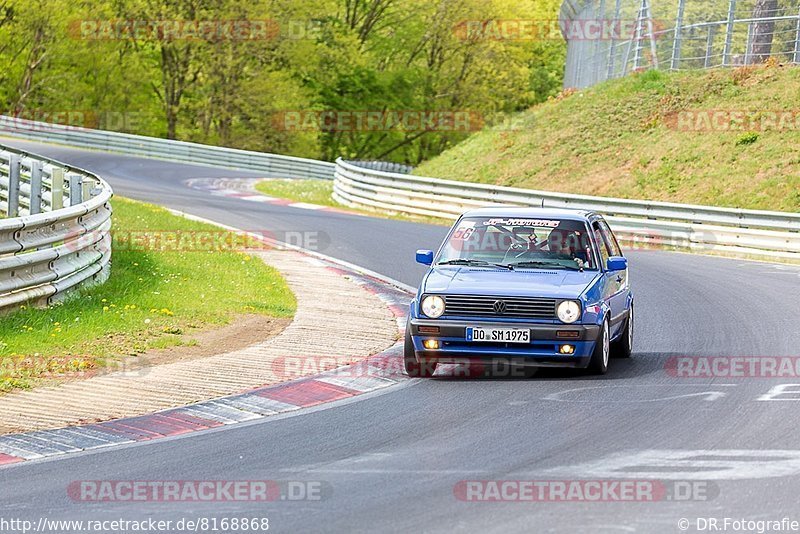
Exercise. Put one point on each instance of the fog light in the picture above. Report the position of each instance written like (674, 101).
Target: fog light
(431, 344)
(567, 349)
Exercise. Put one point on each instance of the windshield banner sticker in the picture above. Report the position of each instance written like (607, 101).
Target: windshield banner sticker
(537, 223)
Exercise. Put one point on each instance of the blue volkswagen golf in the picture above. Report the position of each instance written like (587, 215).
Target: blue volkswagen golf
(525, 286)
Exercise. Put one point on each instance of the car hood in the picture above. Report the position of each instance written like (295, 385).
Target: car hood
(522, 282)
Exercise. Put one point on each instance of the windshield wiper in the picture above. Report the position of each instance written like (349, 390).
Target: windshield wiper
(545, 264)
(476, 263)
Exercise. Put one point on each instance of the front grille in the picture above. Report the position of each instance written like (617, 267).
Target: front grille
(511, 307)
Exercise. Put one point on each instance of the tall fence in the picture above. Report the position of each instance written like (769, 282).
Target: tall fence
(611, 38)
(640, 224)
(55, 223)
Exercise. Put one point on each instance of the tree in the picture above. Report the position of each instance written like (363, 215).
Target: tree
(175, 50)
(763, 31)
(330, 56)
(363, 16)
(29, 31)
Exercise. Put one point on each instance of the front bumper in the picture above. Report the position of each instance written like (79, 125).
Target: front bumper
(542, 351)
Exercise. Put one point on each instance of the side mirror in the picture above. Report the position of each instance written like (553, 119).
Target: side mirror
(617, 263)
(425, 257)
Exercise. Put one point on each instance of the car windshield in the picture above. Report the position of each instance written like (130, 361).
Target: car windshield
(519, 243)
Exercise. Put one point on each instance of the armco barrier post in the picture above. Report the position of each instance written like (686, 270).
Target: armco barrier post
(56, 188)
(36, 188)
(75, 191)
(13, 186)
(86, 190)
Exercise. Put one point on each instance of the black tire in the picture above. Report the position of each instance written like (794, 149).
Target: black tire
(623, 347)
(413, 368)
(598, 364)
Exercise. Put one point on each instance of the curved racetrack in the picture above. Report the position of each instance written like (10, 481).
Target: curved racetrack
(394, 458)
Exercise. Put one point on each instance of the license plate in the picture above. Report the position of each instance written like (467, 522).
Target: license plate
(499, 335)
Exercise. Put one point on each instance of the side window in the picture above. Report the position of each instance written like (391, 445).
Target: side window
(601, 243)
(610, 239)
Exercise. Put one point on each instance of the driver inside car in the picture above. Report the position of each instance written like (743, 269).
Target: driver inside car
(562, 242)
(567, 243)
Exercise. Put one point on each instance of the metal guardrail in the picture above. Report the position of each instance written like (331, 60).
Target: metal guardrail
(56, 234)
(369, 184)
(384, 166)
(271, 165)
(640, 224)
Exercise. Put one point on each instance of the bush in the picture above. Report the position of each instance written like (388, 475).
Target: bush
(747, 139)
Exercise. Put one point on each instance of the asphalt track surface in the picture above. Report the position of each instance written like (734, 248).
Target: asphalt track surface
(391, 461)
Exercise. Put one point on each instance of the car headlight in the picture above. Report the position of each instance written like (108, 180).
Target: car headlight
(569, 311)
(433, 306)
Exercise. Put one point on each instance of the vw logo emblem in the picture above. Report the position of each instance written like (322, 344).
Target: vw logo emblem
(499, 306)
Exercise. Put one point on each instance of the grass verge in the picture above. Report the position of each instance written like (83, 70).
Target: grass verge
(648, 136)
(320, 192)
(309, 191)
(155, 295)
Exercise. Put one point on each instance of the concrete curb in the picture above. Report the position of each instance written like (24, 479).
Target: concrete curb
(373, 373)
(244, 189)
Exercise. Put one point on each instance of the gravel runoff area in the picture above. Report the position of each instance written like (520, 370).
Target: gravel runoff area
(318, 334)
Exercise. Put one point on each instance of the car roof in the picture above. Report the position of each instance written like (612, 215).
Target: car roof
(537, 213)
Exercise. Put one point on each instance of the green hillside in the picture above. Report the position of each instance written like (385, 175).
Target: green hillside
(654, 135)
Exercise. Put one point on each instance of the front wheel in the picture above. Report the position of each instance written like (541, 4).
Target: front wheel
(623, 347)
(414, 368)
(598, 365)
